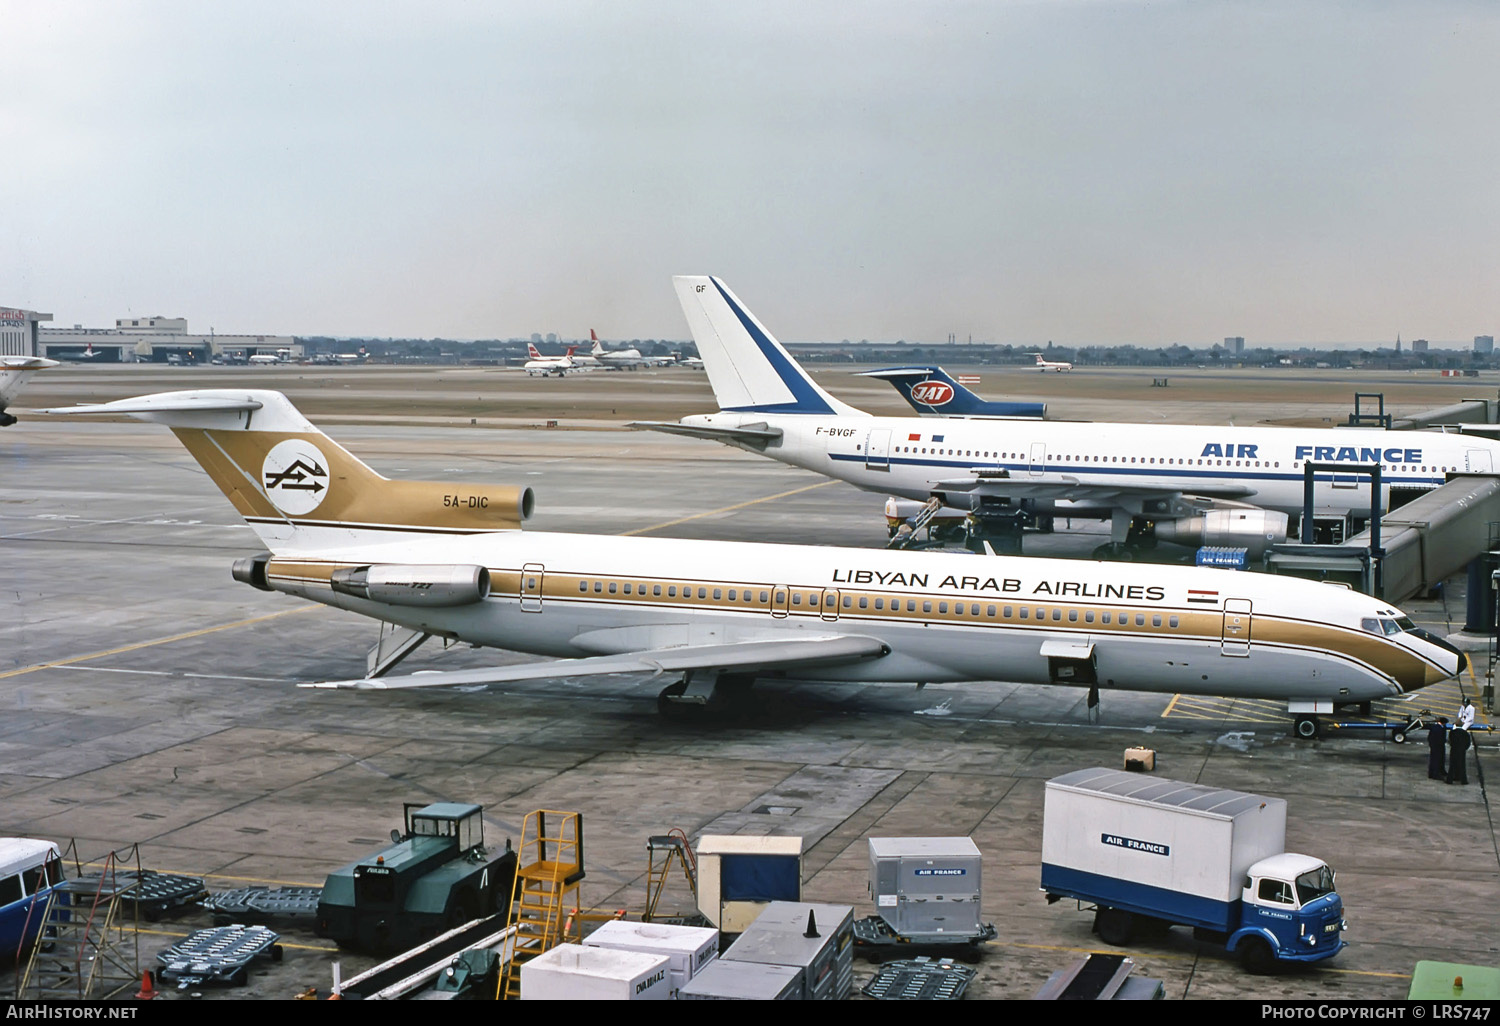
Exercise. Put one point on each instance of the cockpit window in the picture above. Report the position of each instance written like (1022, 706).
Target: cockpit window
(1404, 622)
(1389, 626)
(1370, 624)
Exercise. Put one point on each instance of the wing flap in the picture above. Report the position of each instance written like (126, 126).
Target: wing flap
(740, 656)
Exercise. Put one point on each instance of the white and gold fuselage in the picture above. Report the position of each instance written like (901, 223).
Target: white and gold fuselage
(942, 617)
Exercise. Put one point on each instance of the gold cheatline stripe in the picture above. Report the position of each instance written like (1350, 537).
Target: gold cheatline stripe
(155, 641)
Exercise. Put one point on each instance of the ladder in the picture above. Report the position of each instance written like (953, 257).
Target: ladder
(551, 864)
(907, 532)
(87, 950)
(675, 844)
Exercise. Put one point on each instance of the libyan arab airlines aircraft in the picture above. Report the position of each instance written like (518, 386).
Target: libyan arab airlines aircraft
(14, 370)
(1193, 485)
(449, 559)
(1044, 365)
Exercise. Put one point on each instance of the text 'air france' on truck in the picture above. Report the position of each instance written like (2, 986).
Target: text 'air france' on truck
(1149, 854)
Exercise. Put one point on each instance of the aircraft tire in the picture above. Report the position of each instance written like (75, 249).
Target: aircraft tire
(664, 704)
(1306, 727)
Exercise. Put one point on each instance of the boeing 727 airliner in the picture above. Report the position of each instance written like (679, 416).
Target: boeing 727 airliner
(449, 559)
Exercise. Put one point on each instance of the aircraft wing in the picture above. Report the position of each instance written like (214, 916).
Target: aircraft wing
(755, 436)
(735, 656)
(1067, 486)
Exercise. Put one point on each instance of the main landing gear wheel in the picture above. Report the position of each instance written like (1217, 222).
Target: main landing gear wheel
(664, 701)
(1116, 551)
(1306, 726)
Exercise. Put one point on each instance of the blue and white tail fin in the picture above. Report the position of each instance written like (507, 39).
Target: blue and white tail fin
(749, 370)
(932, 392)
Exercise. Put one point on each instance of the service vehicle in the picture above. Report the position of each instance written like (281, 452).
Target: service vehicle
(436, 875)
(1148, 854)
(29, 869)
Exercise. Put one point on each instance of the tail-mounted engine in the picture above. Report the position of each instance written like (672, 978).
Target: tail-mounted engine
(403, 585)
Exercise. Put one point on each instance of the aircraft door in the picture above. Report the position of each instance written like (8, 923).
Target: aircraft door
(1235, 640)
(830, 609)
(780, 597)
(1477, 461)
(1038, 465)
(531, 588)
(877, 450)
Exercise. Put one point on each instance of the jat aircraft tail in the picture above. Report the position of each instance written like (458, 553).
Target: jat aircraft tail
(930, 390)
(297, 487)
(749, 370)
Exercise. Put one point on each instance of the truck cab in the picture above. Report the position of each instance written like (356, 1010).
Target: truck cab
(1291, 912)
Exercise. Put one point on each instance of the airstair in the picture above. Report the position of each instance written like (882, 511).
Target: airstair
(551, 865)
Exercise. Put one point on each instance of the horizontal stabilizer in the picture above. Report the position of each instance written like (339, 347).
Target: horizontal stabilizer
(756, 436)
(737, 656)
(168, 402)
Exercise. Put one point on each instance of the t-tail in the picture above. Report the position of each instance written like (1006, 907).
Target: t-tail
(748, 369)
(932, 392)
(301, 490)
(14, 370)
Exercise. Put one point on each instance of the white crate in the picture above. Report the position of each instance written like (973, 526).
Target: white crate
(572, 972)
(689, 948)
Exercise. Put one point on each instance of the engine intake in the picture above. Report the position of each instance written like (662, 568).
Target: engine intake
(403, 585)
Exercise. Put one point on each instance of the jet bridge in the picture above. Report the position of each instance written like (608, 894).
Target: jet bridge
(1411, 549)
(1466, 412)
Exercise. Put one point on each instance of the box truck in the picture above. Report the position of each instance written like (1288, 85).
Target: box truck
(1148, 854)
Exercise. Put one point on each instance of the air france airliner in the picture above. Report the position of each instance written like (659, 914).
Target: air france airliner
(1194, 485)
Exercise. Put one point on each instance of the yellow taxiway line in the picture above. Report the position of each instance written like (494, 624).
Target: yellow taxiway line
(726, 509)
(154, 641)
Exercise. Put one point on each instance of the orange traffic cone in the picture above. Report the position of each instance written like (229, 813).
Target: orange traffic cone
(148, 986)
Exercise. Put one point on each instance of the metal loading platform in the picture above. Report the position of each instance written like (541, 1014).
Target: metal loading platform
(551, 866)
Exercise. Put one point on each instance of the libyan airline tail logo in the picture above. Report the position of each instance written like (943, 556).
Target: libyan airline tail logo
(295, 476)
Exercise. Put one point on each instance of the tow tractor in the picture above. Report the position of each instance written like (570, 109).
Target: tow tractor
(1400, 730)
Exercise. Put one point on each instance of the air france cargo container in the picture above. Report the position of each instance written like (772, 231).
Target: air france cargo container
(927, 888)
(1148, 852)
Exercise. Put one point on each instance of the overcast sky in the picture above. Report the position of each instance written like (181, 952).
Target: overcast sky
(1075, 171)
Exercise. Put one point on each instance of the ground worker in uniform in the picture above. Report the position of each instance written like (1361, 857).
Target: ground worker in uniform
(1458, 746)
(1437, 749)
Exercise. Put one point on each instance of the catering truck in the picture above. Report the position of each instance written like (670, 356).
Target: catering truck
(1148, 854)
